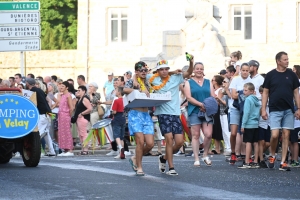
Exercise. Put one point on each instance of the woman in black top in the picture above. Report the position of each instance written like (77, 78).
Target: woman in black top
(82, 112)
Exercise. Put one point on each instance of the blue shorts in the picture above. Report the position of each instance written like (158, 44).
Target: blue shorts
(264, 134)
(195, 120)
(170, 124)
(140, 122)
(282, 120)
(118, 131)
(235, 117)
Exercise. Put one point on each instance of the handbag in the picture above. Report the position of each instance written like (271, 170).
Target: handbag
(101, 110)
(74, 117)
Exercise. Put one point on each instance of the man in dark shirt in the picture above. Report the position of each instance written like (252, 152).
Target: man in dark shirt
(280, 86)
(43, 107)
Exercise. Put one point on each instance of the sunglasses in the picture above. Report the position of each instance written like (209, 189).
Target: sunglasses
(143, 70)
(164, 69)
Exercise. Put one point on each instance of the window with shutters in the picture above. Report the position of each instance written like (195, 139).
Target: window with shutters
(117, 25)
(242, 20)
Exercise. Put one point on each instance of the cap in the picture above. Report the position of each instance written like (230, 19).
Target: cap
(30, 81)
(161, 64)
(110, 74)
(222, 72)
(129, 72)
(253, 63)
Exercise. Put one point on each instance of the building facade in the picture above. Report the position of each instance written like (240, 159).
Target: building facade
(113, 35)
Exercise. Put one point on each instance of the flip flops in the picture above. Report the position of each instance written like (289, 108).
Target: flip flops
(140, 173)
(133, 166)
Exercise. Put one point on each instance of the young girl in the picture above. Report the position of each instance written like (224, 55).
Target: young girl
(235, 60)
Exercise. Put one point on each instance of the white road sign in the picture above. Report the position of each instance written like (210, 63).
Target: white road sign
(21, 31)
(20, 45)
(20, 17)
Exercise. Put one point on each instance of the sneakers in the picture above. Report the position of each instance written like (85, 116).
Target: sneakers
(122, 155)
(189, 154)
(245, 166)
(207, 161)
(162, 164)
(233, 159)
(201, 151)
(61, 154)
(127, 153)
(295, 163)
(68, 154)
(271, 163)
(284, 167)
(263, 164)
(179, 153)
(17, 155)
(172, 172)
(117, 157)
(197, 163)
(112, 153)
(255, 166)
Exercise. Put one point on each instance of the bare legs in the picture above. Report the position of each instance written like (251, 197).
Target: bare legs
(207, 131)
(142, 148)
(172, 147)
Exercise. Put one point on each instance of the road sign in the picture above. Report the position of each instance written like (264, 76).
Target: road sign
(29, 31)
(20, 17)
(20, 45)
(16, 6)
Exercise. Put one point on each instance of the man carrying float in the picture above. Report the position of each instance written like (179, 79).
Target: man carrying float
(139, 121)
(169, 113)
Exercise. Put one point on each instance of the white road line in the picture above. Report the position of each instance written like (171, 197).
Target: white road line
(184, 189)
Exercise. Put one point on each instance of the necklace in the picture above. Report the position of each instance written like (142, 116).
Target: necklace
(158, 87)
(198, 81)
(142, 84)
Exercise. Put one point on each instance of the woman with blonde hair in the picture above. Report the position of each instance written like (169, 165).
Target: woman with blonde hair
(196, 90)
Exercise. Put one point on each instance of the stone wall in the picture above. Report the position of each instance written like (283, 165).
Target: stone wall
(41, 63)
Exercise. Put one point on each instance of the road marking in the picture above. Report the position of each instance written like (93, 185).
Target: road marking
(106, 161)
(184, 190)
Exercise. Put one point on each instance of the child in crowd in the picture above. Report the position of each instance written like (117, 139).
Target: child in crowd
(264, 135)
(250, 125)
(119, 121)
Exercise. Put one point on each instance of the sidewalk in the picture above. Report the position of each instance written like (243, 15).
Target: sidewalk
(104, 151)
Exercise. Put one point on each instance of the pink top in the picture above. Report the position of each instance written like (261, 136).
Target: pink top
(63, 103)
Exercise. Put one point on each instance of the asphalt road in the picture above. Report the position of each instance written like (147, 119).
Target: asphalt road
(103, 177)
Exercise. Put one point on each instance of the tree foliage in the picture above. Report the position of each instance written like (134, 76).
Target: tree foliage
(58, 24)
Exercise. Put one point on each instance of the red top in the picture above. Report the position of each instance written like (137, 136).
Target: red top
(118, 105)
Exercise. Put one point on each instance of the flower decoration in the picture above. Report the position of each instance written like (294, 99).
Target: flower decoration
(158, 87)
(162, 62)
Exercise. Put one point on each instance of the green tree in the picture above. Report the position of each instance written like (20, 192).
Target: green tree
(59, 24)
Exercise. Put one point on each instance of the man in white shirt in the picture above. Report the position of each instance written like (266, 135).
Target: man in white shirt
(256, 78)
